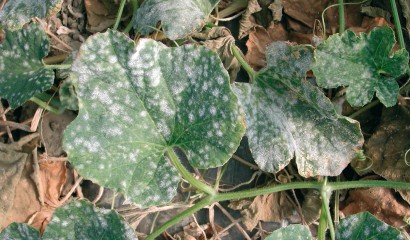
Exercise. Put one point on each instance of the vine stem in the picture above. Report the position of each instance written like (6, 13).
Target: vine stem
(119, 14)
(135, 6)
(187, 175)
(219, 197)
(397, 23)
(325, 194)
(252, 73)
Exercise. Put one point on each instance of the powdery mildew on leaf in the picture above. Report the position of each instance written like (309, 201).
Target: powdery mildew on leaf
(136, 103)
(178, 17)
(16, 13)
(22, 72)
(285, 118)
(365, 226)
(81, 220)
(291, 232)
(16, 231)
(364, 63)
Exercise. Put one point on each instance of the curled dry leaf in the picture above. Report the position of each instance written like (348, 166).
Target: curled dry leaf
(388, 145)
(260, 13)
(272, 207)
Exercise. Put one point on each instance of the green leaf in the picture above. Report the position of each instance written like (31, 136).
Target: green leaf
(291, 232)
(137, 103)
(81, 220)
(16, 13)
(364, 63)
(178, 17)
(287, 116)
(22, 72)
(18, 231)
(365, 226)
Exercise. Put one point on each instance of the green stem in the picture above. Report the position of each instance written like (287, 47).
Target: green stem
(336, 207)
(187, 175)
(341, 16)
(219, 197)
(135, 6)
(325, 194)
(397, 23)
(252, 73)
(179, 217)
(321, 231)
(60, 66)
(119, 14)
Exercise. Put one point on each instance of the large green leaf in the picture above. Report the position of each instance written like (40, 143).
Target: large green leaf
(81, 220)
(22, 72)
(363, 63)
(178, 17)
(76, 221)
(137, 103)
(16, 13)
(365, 226)
(18, 231)
(291, 232)
(287, 116)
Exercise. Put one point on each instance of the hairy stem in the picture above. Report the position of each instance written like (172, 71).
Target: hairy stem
(397, 23)
(321, 231)
(325, 194)
(341, 16)
(187, 175)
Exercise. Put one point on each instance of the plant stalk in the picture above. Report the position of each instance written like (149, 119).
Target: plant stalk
(325, 194)
(187, 175)
(119, 14)
(237, 54)
(219, 197)
(321, 231)
(397, 23)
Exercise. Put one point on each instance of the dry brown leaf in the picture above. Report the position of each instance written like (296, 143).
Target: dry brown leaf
(101, 14)
(305, 11)
(388, 145)
(220, 39)
(380, 202)
(311, 206)
(259, 40)
(272, 207)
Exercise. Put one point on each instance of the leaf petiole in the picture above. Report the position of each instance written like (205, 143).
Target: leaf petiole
(252, 73)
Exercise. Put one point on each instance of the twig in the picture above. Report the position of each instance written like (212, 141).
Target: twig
(15, 125)
(211, 215)
(66, 197)
(243, 161)
(78, 188)
(229, 216)
(99, 195)
(3, 117)
(36, 119)
(199, 226)
(36, 176)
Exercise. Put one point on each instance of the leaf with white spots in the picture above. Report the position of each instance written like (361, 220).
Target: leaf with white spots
(286, 116)
(178, 17)
(291, 232)
(137, 102)
(18, 231)
(365, 226)
(22, 72)
(364, 63)
(16, 13)
(81, 220)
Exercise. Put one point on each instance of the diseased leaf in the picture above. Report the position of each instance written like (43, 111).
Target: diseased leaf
(137, 103)
(365, 226)
(178, 17)
(22, 72)
(291, 232)
(16, 13)
(18, 231)
(287, 116)
(81, 220)
(363, 63)
(12, 162)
